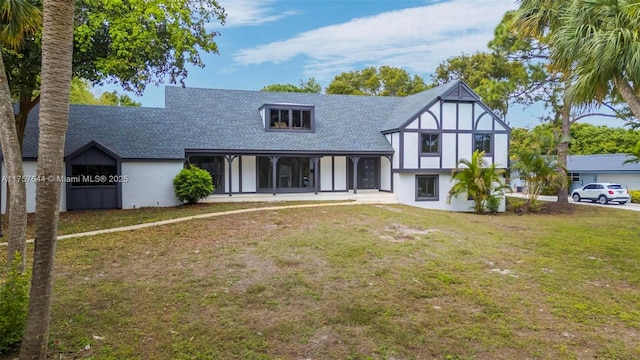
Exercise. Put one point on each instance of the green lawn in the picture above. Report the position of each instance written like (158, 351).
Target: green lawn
(89, 220)
(355, 282)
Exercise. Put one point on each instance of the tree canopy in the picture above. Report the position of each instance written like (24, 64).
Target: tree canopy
(586, 139)
(82, 93)
(597, 45)
(309, 86)
(382, 81)
(132, 43)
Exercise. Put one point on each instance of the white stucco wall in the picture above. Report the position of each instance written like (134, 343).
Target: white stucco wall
(449, 150)
(428, 122)
(465, 116)
(411, 151)
(30, 172)
(395, 142)
(149, 183)
(465, 146)
(405, 190)
(249, 174)
(430, 162)
(235, 176)
(449, 116)
(629, 181)
(485, 122)
(326, 173)
(501, 150)
(341, 173)
(385, 174)
(435, 110)
(413, 124)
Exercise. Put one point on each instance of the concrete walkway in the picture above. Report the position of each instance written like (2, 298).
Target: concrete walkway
(193, 217)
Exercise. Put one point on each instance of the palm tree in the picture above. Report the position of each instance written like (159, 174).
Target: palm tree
(57, 51)
(18, 18)
(538, 171)
(634, 155)
(477, 180)
(600, 42)
(540, 19)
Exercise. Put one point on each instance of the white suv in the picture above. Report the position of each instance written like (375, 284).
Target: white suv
(602, 193)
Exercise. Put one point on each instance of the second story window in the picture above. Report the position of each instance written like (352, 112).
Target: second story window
(482, 142)
(430, 143)
(290, 118)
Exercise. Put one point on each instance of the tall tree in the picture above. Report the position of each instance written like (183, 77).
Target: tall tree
(82, 93)
(382, 81)
(633, 155)
(18, 18)
(598, 46)
(309, 86)
(498, 80)
(132, 43)
(57, 51)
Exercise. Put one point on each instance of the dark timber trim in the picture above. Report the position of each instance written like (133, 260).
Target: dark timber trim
(355, 160)
(230, 159)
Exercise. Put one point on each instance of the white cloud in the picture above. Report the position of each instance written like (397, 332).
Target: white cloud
(417, 39)
(251, 12)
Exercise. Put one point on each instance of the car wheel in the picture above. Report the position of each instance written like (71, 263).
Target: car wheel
(602, 199)
(576, 197)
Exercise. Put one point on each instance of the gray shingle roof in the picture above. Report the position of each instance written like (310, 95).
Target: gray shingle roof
(229, 120)
(410, 106)
(602, 163)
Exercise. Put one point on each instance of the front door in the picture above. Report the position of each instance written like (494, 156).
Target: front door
(368, 173)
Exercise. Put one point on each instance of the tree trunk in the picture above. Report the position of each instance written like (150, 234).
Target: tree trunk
(563, 151)
(57, 50)
(16, 188)
(629, 96)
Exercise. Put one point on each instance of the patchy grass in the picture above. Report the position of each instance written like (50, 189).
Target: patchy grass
(355, 282)
(89, 220)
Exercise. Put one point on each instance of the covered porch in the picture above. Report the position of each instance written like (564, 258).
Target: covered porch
(361, 196)
(286, 173)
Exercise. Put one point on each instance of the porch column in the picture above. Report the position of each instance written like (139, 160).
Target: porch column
(355, 160)
(274, 168)
(316, 173)
(390, 158)
(230, 159)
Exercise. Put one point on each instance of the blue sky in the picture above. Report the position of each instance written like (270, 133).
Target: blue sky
(283, 41)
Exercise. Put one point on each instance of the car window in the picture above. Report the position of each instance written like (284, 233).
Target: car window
(599, 187)
(615, 186)
(589, 187)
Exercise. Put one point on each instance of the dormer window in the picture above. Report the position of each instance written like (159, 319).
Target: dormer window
(289, 117)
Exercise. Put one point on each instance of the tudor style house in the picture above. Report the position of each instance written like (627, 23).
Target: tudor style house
(270, 143)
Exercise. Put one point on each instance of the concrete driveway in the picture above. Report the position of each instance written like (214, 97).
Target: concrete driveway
(628, 206)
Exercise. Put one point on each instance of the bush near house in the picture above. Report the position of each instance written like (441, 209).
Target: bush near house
(192, 184)
(635, 196)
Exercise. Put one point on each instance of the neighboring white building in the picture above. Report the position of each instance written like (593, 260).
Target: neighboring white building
(274, 143)
(584, 169)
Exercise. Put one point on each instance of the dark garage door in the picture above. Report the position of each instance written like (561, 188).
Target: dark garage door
(92, 180)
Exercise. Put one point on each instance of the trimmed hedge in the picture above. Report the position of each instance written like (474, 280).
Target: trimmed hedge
(635, 196)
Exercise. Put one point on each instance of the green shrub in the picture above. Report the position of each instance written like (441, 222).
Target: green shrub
(635, 196)
(516, 205)
(14, 302)
(192, 184)
(493, 203)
